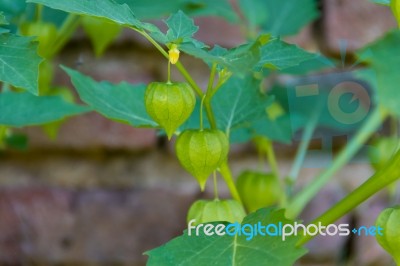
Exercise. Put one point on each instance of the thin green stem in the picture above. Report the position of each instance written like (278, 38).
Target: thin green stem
(227, 176)
(216, 196)
(186, 75)
(261, 161)
(394, 127)
(298, 203)
(201, 113)
(3, 131)
(209, 94)
(169, 71)
(38, 12)
(219, 85)
(270, 152)
(152, 41)
(189, 79)
(212, 78)
(302, 152)
(5, 87)
(377, 182)
(178, 65)
(272, 159)
(210, 113)
(67, 29)
(225, 171)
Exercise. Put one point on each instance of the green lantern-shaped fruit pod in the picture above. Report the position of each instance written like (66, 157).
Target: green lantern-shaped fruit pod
(381, 151)
(206, 211)
(201, 152)
(395, 5)
(258, 190)
(46, 34)
(46, 75)
(169, 104)
(389, 220)
(109, 32)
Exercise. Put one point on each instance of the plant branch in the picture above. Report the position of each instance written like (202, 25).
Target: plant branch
(201, 113)
(298, 203)
(272, 159)
(169, 71)
(186, 75)
(178, 65)
(378, 181)
(227, 176)
(216, 196)
(212, 78)
(67, 29)
(225, 171)
(3, 131)
(220, 83)
(302, 151)
(38, 12)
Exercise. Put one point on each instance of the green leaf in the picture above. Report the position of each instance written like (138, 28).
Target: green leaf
(56, 17)
(2, 30)
(16, 141)
(238, 102)
(384, 58)
(152, 9)
(368, 75)
(123, 102)
(255, 11)
(381, 2)
(194, 120)
(279, 129)
(231, 250)
(19, 62)
(338, 110)
(220, 8)
(12, 7)
(279, 17)
(317, 63)
(109, 31)
(277, 54)
(239, 60)
(155, 9)
(108, 9)
(3, 20)
(255, 55)
(25, 109)
(180, 27)
(275, 123)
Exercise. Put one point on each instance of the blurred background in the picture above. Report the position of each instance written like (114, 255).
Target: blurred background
(102, 193)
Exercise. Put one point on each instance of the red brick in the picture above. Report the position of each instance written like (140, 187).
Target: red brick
(357, 22)
(48, 225)
(92, 131)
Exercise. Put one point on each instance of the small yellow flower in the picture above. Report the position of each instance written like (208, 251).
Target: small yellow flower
(174, 54)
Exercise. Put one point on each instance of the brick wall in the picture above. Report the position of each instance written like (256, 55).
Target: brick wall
(105, 192)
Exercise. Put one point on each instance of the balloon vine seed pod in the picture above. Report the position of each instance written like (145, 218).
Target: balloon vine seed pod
(169, 104)
(258, 190)
(389, 221)
(206, 211)
(201, 152)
